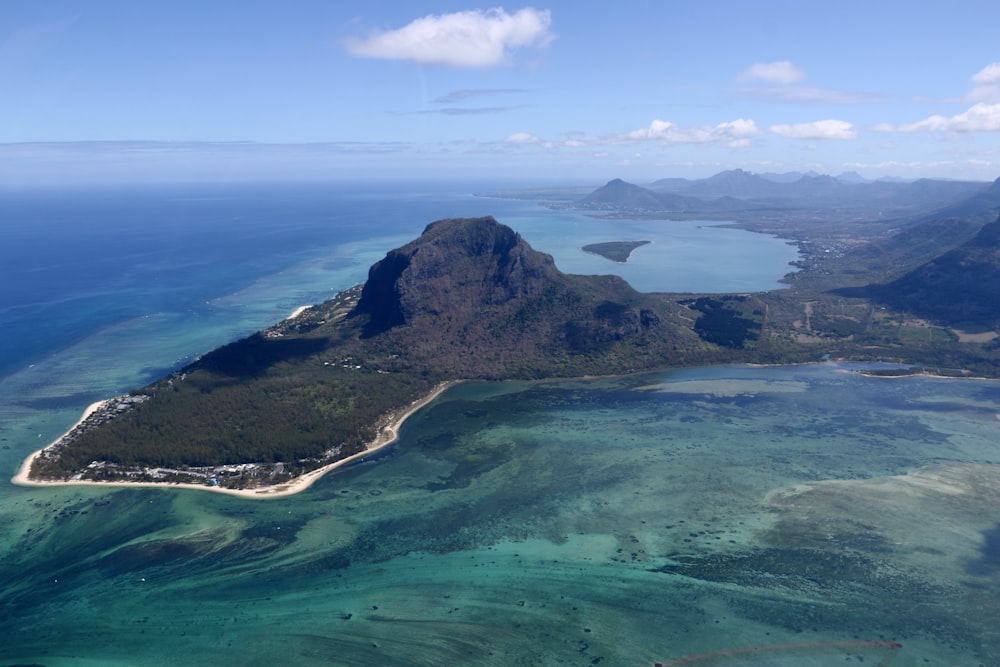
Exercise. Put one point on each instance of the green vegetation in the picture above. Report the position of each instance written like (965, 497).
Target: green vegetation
(726, 321)
(276, 396)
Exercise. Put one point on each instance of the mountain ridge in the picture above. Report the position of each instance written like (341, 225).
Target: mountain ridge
(957, 288)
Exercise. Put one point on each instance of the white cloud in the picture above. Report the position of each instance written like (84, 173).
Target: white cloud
(820, 129)
(463, 39)
(987, 75)
(980, 117)
(986, 84)
(522, 138)
(782, 72)
(736, 132)
(773, 81)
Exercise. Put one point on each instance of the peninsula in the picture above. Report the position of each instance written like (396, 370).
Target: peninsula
(471, 300)
(468, 299)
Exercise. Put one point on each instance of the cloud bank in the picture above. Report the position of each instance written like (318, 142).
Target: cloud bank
(986, 84)
(464, 39)
(980, 117)
(736, 133)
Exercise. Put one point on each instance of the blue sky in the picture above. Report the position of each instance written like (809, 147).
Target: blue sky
(106, 90)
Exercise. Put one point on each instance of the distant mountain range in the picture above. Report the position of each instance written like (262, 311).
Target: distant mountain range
(739, 190)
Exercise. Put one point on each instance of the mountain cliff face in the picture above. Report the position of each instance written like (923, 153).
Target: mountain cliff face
(454, 265)
(471, 297)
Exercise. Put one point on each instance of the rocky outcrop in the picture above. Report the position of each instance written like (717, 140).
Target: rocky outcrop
(455, 266)
(470, 295)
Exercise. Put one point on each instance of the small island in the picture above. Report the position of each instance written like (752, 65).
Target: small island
(616, 251)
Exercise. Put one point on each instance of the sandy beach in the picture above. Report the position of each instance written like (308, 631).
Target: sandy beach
(298, 311)
(388, 436)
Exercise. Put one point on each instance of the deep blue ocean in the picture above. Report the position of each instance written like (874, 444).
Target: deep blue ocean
(803, 515)
(78, 261)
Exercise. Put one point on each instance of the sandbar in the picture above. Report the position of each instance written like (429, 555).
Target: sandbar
(389, 435)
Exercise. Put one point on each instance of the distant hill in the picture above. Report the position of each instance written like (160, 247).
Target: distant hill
(617, 195)
(980, 205)
(928, 236)
(736, 183)
(959, 287)
(786, 177)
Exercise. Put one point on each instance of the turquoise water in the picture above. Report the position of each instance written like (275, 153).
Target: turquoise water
(693, 515)
(687, 256)
(620, 521)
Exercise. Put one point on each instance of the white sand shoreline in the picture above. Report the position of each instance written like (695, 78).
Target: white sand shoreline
(389, 435)
(298, 311)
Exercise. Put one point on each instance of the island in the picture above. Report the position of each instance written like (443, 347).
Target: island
(616, 251)
(471, 300)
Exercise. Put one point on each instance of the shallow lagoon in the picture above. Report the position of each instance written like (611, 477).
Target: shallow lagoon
(618, 521)
(632, 520)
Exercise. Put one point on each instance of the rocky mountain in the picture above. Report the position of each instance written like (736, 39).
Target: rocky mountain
(471, 296)
(454, 265)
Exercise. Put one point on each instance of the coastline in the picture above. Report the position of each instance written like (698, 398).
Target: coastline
(295, 313)
(21, 478)
(389, 435)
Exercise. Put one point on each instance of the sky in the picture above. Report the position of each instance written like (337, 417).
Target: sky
(556, 92)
